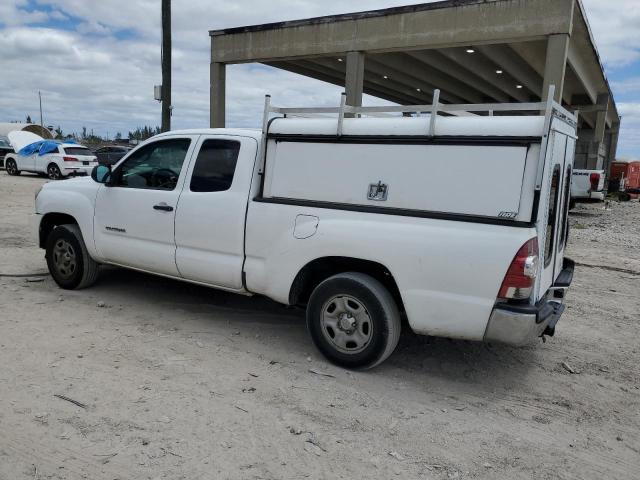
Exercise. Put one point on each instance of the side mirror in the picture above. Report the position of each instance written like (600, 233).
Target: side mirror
(101, 174)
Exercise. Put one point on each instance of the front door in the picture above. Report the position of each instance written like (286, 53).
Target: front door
(134, 216)
(211, 215)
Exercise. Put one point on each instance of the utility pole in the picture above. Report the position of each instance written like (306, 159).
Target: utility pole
(40, 98)
(166, 65)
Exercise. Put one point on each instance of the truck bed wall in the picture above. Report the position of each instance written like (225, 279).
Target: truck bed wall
(480, 180)
(448, 273)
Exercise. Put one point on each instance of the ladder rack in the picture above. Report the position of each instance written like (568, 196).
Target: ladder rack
(549, 109)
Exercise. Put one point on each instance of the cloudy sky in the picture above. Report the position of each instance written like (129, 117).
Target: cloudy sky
(96, 61)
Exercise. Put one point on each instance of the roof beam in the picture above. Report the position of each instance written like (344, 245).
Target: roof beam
(445, 65)
(513, 63)
(477, 64)
(410, 81)
(335, 78)
(392, 85)
(446, 83)
(431, 25)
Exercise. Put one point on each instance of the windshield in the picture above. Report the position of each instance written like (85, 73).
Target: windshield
(77, 151)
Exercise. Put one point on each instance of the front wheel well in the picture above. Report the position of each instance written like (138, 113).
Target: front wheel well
(317, 271)
(51, 221)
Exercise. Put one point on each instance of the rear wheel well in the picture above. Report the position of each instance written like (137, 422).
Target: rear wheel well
(317, 271)
(51, 221)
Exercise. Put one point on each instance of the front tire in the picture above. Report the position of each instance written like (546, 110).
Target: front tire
(11, 167)
(68, 260)
(53, 172)
(353, 320)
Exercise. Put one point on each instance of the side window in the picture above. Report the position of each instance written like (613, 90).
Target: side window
(49, 149)
(155, 166)
(215, 166)
(553, 212)
(564, 235)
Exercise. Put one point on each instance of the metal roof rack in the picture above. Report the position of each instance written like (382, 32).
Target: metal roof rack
(549, 109)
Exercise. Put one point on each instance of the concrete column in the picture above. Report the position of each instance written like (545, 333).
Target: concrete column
(555, 65)
(601, 160)
(218, 95)
(601, 116)
(613, 144)
(354, 79)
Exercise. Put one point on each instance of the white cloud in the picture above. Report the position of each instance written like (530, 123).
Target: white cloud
(90, 77)
(616, 28)
(628, 85)
(629, 147)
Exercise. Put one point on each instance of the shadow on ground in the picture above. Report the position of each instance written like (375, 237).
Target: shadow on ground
(463, 361)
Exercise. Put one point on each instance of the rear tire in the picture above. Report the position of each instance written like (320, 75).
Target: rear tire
(11, 167)
(53, 172)
(353, 320)
(624, 197)
(68, 260)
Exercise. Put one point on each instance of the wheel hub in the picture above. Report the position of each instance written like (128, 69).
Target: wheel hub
(346, 324)
(64, 258)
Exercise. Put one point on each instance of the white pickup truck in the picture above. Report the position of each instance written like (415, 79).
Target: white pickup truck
(457, 222)
(587, 185)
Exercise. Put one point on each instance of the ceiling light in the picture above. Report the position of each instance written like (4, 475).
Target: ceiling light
(518, 86)
(499, 72)
(470, 50)
(385, 77)
(418, 89)
(340, 60)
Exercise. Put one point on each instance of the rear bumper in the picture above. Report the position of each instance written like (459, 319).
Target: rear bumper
(78, 171)
(521, 324)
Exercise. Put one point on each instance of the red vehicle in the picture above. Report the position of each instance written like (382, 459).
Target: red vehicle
(625, 178)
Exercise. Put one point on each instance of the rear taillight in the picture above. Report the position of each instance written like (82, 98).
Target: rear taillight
(70, 159)
(521, 277)
(594, 178)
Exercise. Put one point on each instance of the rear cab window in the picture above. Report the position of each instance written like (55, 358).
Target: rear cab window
(215, 166)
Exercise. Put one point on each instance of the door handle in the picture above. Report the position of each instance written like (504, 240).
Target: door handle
(163, 207)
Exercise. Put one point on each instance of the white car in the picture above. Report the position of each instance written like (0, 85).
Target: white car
(353, 219)
(54, 159)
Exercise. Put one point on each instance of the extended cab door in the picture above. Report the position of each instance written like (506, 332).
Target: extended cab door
(135, 213)
(210, 220)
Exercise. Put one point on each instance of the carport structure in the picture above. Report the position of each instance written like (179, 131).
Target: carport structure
(474, 51)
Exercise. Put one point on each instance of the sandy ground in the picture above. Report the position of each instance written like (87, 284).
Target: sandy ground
(181, 382)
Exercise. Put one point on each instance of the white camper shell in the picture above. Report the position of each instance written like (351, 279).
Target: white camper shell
(456, 217)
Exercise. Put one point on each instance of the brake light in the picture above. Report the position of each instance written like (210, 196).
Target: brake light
(521, 277)
(594, 178)
(70, 159)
